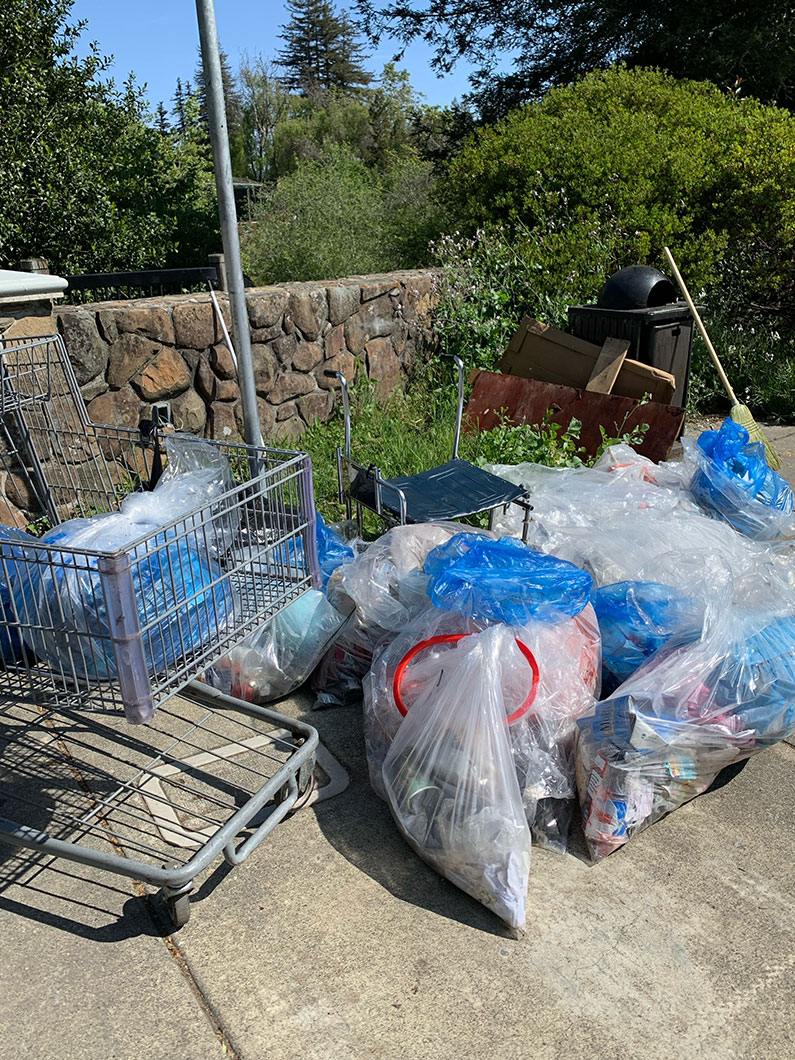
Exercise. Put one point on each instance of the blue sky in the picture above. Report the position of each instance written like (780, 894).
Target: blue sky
(158, 40)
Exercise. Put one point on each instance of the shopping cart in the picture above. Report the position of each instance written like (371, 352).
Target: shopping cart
(94, 639)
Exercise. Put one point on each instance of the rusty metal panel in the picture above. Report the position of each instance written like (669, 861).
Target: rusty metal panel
(528, 400)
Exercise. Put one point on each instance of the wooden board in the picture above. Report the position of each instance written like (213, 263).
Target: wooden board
(537, 351)
(612, 356)
(527, 401)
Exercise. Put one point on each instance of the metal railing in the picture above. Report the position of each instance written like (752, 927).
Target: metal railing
(148, 283)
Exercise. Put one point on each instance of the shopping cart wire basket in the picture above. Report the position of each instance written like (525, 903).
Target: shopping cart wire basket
(94, 636)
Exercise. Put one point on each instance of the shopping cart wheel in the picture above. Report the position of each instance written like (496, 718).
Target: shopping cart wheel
(177, 904)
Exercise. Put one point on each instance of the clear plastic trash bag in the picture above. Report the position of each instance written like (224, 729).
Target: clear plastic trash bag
(197, 476)
(382, 589)
(563, 498)
(734, 482)
(451, 784)
(277, 658)
(566, 654)
(12, 558)
(636, 618)
(630, 520)
(183, 596)
(692, 709)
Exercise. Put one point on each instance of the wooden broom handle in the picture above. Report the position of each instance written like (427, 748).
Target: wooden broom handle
(700, 325)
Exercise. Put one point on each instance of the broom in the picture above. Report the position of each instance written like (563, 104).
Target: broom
(739, 413)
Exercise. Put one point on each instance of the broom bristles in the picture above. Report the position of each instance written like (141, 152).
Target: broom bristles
(742, 414)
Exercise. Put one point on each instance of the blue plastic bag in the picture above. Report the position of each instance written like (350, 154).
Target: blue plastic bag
(504, 581)
(331, 549)
(183, 597)
(11, 553)
(636, 618)
(735, 483)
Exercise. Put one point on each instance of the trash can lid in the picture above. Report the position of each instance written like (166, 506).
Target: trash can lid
(637, 287)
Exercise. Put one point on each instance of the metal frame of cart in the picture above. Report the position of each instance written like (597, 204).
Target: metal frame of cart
(86, 633)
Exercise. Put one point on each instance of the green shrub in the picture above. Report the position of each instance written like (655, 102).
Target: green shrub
(335, 216)
(605, 172)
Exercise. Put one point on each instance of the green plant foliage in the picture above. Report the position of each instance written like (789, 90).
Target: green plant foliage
(486, 282)
(634, 160)
(336, 217)
(759, 357)
(84, 180)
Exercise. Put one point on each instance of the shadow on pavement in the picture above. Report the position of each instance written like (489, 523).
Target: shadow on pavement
(359, 826)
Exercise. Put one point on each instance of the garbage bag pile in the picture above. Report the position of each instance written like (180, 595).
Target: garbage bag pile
(548, 678)
(643, 641)
(477, 656)
(695, 597)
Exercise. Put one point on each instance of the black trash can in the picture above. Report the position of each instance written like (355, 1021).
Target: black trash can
(639, 303)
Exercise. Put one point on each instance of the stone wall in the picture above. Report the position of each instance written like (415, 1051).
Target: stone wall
(127, 355)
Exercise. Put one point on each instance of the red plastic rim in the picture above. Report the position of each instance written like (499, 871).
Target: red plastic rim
(451, 638)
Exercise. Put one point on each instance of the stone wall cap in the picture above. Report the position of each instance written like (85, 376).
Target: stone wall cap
(15, 285)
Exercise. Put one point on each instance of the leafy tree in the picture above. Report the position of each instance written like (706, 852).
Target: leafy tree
(84, 179)
(739, 45)
(265, 103)
(322, 51)
(439, 132)
(334, 216)
(605, 172)
(376, 125)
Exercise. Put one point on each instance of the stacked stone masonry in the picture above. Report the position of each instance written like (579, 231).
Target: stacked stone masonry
(127, 355)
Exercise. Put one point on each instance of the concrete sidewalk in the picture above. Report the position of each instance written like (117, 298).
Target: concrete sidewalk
(334, 942)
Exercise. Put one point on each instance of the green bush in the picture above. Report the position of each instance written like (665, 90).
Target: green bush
(605, 172)
(335, 216)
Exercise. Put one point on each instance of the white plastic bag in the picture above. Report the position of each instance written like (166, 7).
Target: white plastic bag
(451, 784)
(383, 589)
(197, 476)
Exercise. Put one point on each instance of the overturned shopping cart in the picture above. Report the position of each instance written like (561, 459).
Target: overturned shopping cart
(112, 753)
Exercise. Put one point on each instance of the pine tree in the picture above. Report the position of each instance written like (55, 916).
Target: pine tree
(161, 116)
(179, 107)
(321, 50)
(231, 94)
(233, 106)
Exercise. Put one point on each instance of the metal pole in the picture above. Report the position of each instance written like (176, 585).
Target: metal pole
(222, 164)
